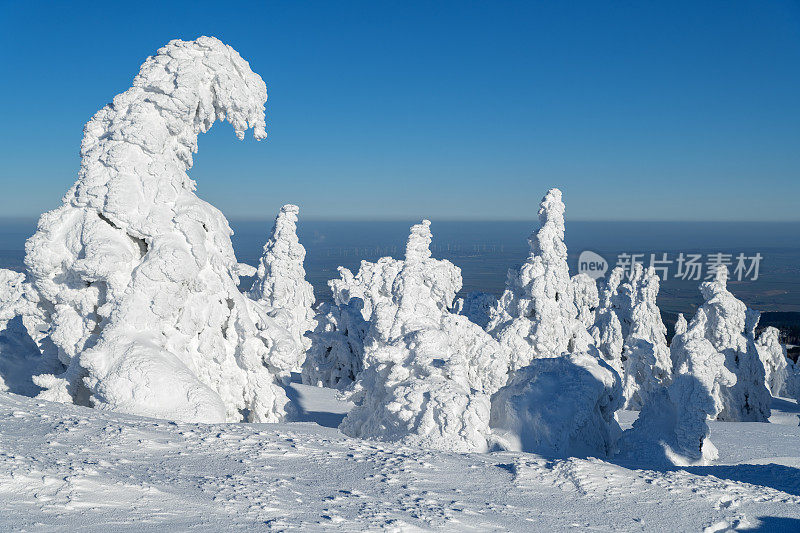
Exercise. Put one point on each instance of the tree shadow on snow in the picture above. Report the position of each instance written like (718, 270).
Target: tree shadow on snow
(779, 477)
(300, 414)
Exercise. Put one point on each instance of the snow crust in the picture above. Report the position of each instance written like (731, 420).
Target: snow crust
(134, 277)
(428, 373)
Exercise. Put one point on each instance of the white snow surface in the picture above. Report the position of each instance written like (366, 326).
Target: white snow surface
(134, 276)
(66, 466)
(428, 373)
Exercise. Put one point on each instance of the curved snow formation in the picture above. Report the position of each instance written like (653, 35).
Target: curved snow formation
(428, 373)
(559, 407)
(672, 427)
(281, 287)
(135, 275)
(536, 315)
(645, 355)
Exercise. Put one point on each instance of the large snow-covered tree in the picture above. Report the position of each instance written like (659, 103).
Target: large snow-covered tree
(536, 315)
(134, 276)
(428, 373)
(280, 285)
(645, 355)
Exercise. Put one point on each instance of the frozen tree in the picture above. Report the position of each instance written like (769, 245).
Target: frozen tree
(773, 356)
(587, 298)
(280, 284)
(135, 276)
(645, 355)
(730, 327)
(336, 355)
(559, 407)
(428, 373)
(672, 427)
(607, 330)
(476, 306)
(536, 315)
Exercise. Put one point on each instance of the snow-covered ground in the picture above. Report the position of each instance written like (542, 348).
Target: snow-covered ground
(70, 467)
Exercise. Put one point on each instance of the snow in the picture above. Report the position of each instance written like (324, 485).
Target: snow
(773, 356)
(64, 465)
(476, 306)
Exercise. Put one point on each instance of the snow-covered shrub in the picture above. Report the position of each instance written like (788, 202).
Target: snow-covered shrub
(587, 298)
(672, 427)
(730, 327)
(536, 315)
(135, 277)
(372, 284)
(336, 355)
(476, 306)
(428, 373)
(559, 407)
(645, 355)
(773, 356)
(607, 330)
(280, 284)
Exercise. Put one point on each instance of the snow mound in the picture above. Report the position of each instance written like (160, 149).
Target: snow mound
(428, 373)
(672, 427)
(559, 407)
(134, 276)
(536, 315)
(281, 287)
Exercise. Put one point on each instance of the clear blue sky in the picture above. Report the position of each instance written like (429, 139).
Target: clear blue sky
(466, 110)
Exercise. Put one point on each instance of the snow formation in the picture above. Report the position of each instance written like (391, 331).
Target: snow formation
(587, 298)
(559, 407)
(607, 329)
(645, 355)
(428, 373)
(134, 276)
(730, 327)
(476, 306)
(536, 315)
(773, 356)
(672, 427)
(281, 287)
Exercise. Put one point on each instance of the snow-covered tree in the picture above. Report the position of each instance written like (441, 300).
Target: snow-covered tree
(280, 284)
(773, 356)
(730, 327)
(559, 406)
(428, 373)
(607, 329)
(672, 427)
(135, 276)
(476, 306)
(587, 299)
(536, 315)
(645, 355)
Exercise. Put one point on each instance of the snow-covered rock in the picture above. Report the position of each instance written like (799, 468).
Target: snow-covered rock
(476, 306)
(536, 315)
(645, 355)
(280, 284)
(672, 427)
(134, 275)
(773, 356)
(559, 407)
(428, 373)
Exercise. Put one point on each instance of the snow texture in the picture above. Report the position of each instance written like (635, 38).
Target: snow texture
(773, 356)
(607, 329)
(587, 298)
(559, 407)
(536, 315)
(428, 373)
(645, 355)
(134, 275)
(730, 327)
(672, 427)
(281, 287)
(476, 306)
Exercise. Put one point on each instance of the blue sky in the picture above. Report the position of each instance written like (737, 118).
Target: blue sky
(449, 110)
